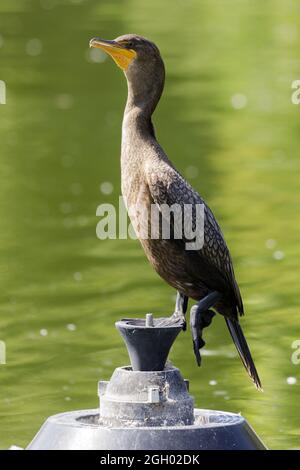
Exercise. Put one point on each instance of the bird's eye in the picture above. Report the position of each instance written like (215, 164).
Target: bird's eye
(128, 44)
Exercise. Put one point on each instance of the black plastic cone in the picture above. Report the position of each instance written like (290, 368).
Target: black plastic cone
(148, 346)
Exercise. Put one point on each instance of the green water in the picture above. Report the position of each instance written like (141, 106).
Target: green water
(226, 120)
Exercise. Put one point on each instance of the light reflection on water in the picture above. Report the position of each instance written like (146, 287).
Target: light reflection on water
(227, 122)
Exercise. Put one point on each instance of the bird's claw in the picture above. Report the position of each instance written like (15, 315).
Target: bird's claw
(199, 320)
(178, 318)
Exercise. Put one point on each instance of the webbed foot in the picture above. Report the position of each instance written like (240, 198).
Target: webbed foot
(201, 317)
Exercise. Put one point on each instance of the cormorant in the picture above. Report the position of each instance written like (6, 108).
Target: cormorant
(149, 178)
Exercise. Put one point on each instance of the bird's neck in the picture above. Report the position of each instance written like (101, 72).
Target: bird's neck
(137, 124)
(137, 139)
(140, 106)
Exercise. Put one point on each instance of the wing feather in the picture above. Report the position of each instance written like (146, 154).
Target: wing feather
(167, 186)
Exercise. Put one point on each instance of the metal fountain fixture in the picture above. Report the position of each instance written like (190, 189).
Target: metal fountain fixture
(146, 406)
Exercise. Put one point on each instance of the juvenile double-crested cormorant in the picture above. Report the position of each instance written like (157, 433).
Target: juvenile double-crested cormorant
(149, 178)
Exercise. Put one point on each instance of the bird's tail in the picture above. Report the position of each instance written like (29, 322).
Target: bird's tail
(243, 350)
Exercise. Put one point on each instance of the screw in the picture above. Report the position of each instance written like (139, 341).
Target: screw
(149, 320)
(187, 384)
(102, 384)
(153, 394)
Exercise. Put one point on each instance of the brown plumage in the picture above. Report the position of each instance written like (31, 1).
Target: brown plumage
(149, 178)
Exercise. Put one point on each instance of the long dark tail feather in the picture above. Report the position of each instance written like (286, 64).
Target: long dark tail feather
(243, 350)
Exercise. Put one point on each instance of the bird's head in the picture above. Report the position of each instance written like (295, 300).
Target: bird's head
(140, 60)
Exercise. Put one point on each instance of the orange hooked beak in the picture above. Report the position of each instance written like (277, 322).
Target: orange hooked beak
(120, 54)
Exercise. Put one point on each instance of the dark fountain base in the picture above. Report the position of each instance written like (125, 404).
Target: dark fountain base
(146, 406)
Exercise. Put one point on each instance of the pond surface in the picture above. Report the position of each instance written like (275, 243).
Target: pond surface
(227, 122)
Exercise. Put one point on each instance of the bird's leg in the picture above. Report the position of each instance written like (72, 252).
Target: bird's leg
(178, 317)
(201, 317)
(180, 309)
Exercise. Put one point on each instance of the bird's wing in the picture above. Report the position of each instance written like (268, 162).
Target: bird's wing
(216, 250)
(168, 187)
